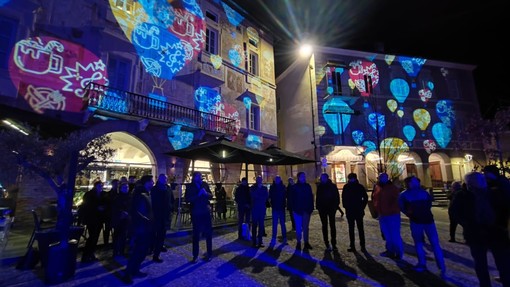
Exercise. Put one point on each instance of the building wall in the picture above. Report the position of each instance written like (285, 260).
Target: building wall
(55, 48)
(366, 102)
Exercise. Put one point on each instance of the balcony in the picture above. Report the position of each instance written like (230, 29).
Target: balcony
(106, 101)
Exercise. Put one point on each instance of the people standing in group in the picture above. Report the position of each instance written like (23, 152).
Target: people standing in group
(243, 202)
(290, 183)
(162, 205)
(108, 197)
(455, 188)
(199, 195)
(92, 213)
(385, 199)
(278, 201)
(302, 202)
(355, 199)
(132, 183)
(258, 196)
(142, 228)
(416, 203)
(482, 211)
(121, 219)
(221, 201)
(327, 202)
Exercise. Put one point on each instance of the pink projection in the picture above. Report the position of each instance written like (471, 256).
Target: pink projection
(365, 76)
(51, 73)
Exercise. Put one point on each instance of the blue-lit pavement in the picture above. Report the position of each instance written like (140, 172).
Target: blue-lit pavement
(236, 263)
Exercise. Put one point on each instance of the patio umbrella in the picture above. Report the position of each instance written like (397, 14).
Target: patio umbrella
(284, 157)
(223, 151)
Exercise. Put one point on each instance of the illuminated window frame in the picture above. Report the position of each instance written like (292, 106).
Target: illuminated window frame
(253, 62)
(125, 5)
(211, 40)
(253, 117)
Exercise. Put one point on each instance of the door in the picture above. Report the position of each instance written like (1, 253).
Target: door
(435, 174)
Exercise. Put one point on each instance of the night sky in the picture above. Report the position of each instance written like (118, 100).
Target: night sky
(469, 32)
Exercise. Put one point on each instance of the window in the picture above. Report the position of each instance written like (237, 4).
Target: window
(126, 5)
(253, 117)
(253, 63)
(119, 71)
(211, 40)
(8, 29)
(211, 16)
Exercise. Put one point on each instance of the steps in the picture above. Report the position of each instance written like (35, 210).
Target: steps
(440, 197)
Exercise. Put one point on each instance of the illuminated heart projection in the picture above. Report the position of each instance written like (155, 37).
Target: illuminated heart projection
(409, 132)
(389, 59)
(334, 120)
(179, 139)
(392, 105)
(358, 136)
(422, 119)
(445, 112)
(233, 17)
(399, 89)
(442, 133)
(185, 23)
(216, 61)
(425, 94)
(369, 147)
(400, 113)
(161, 53)
(210, 101)
(412, 66)
(429, 145)
(51, 73)
(235, 55)
(361, 69)
(376, 120)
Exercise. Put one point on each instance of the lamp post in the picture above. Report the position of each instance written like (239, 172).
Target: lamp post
(306, 52)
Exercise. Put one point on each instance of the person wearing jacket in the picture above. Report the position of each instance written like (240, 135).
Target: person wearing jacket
(243, 202)
(327, 203)
(142, 226)
(198, 195)
(302, 206)
(416, 203)
(277, 199)
(121, 219)
(162, 205)
(355, 199)
(386, 203)
(259, 196)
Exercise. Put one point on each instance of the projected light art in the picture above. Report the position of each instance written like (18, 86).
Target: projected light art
(409, 132)
(442, 133)
(3, 2)
(412, 66)
(210, 101)
(391, 148)
(235, 55)
(389, 59)
(399, 89)
(429, 145)
(358, 137)
(422, 119)
(392, 105)
(369, 147)
(254, 142)
(425, 94)
(233, 17)
(445, 112)
(377, 121)
(335, 120)
(360, 71)
(51, 74)
(179, 139)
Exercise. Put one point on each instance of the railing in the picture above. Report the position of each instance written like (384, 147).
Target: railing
(122, 103)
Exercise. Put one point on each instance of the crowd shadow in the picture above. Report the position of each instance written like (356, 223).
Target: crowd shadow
(297, 267)
(376, 271)
(338, 272)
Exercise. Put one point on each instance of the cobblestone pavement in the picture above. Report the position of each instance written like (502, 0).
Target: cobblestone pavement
(236, 263)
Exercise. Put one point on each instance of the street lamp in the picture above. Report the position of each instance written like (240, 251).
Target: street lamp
(306, 52)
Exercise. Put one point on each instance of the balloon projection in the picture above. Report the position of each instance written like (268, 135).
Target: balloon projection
(389, 59)
(409, 132)
(412, 66)
(399, 89)
(445, 112)
(392, 105)
(360, 70)
(442, 133)
(422, 119)
(369, 147)
(334, 120)
(51, 74)
(391, 148)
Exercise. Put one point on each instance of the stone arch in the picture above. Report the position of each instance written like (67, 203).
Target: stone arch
(439, 170)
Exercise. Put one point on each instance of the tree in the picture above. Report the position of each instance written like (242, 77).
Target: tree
(54, 159)
(491, 131)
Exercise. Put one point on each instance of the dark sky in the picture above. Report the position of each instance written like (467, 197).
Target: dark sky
(463, 31)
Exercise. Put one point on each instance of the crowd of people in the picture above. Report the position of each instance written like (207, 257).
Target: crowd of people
(140, 214)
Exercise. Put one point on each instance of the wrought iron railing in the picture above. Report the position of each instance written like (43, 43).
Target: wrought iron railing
(122, 103)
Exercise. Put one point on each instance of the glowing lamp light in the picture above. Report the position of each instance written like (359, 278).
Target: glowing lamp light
(305, 50)
(223, 154)
(468, 157)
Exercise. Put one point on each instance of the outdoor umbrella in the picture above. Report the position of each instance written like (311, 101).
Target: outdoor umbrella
(284, 157)
(223, 151)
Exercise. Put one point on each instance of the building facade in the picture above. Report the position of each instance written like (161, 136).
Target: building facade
(369, 113)
(153, 75)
